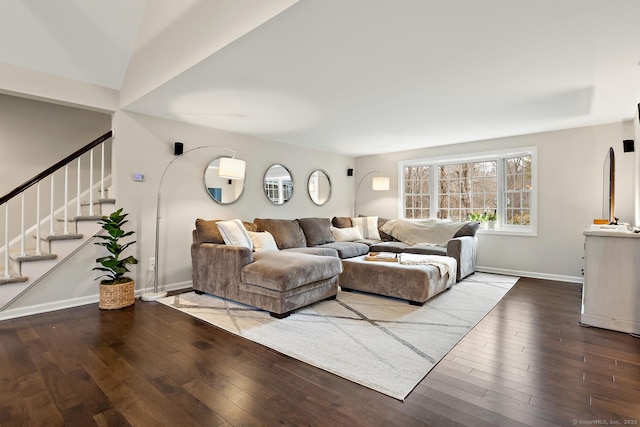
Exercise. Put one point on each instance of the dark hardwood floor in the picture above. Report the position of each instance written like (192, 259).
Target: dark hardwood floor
(527, 362)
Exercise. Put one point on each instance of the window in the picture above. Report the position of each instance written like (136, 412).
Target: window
(453, 188)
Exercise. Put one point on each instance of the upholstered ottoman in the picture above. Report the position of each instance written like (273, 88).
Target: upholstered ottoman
(281, 282)
(415, 283)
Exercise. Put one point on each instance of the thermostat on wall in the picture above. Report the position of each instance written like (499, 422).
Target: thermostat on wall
(138, 177)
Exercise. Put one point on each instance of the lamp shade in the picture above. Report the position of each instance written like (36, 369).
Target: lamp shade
(231, 168)
(380, 183)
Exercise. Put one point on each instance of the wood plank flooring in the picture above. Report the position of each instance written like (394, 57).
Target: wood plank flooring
(527, 362)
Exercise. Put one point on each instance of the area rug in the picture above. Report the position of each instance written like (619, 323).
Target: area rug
(382, 343)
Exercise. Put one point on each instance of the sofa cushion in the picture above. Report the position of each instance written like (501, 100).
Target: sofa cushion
(207, 230)
(395, 247)
(283, 271)
(347, 234)
(315, 250)
(317, 231)
(234, 233)
(287, 233)
(368, 226)
(262, 241)
(426, 249)
(348, 249)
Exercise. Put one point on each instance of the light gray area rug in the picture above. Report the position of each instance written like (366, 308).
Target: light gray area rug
(381, 343)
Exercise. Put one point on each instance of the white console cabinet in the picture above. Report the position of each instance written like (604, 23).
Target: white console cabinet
(611, 292)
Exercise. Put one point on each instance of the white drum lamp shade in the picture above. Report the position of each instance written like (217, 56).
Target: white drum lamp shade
(380, 183)
(231, 168)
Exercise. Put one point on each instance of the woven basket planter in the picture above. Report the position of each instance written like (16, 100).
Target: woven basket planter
(117, 296)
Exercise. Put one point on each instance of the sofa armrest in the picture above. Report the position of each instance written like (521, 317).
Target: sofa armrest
(216, 268)
(464, 250)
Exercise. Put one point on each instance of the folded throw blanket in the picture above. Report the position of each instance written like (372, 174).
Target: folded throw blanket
(445, 264)
(412, 231)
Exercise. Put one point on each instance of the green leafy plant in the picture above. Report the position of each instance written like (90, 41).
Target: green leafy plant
(113, 265)
(490, 216)
(477, 216)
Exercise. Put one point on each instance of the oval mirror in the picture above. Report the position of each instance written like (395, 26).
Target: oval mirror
(223, 190)
(319, 187)
(278, 184)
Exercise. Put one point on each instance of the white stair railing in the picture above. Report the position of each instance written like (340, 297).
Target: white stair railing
(30, 202)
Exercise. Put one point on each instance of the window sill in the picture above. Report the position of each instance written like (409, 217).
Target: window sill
(508, 232)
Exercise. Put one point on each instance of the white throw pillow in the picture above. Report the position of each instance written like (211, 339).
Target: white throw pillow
(234, 233)
(263, 241)
(368, 226)
(346, 234)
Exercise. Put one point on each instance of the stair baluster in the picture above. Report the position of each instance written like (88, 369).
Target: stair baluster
(7, 274)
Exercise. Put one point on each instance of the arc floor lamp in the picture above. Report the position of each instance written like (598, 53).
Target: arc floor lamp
(228, 167)
(378, 183)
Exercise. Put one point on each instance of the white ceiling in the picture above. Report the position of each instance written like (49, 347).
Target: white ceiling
(364, 76)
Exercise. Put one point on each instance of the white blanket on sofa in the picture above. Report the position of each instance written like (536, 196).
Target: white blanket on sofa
(413, 231)
(445, 264)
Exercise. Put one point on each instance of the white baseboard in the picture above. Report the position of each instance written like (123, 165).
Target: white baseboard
(620, 325)
(531, 274)
(75, 302)
(45, 308)
(169, 287)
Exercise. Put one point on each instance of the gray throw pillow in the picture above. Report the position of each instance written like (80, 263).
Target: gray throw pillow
(207, 231)
(317, 231)
(341, 222)
(287, 233)
(468, 229)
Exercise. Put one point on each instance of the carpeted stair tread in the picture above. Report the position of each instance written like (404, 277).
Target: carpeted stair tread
(13, 279)
(70, 236)
(87, 218)
(34, 257)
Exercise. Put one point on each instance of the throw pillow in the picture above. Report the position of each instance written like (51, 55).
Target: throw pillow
(317, 231)
(262, 241)
(341, 222)
(348, 234)
(287, 233)
(234, 233)
(468, 229)
(368, 226)
(207, 231)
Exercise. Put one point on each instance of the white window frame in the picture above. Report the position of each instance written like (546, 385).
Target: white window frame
(498, 156)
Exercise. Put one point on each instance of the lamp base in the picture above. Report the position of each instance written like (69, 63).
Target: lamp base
(152, 296)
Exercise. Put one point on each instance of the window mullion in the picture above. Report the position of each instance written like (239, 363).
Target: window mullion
(433, 189)
(501, 193)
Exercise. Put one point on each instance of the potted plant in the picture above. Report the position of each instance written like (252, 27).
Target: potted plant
(117, 290)
(491, 218)
(479, 218)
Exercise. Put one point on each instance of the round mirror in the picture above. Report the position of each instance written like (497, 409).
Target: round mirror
(223, 190)
(319, 187)
(278, 184)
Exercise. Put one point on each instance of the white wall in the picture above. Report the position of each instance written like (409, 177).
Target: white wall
(144, 144)
(35, 135)
(569, 195)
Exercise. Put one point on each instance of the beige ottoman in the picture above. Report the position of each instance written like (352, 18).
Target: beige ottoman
(415, 283)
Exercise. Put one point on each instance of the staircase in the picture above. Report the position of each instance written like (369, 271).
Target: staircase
(29, 256)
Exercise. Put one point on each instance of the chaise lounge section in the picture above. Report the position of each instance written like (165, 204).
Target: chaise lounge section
(276, 281)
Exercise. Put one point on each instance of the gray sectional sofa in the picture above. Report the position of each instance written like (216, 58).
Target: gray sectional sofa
(306, 266)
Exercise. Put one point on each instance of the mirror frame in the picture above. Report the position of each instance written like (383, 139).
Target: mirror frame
(264, 178)
(206, 188)
(322, 171)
